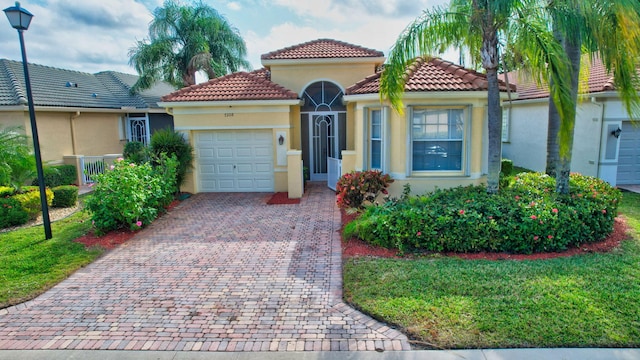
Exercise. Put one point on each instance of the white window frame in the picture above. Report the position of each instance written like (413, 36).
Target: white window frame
(465, 153)
(506, 123)
(384, 131)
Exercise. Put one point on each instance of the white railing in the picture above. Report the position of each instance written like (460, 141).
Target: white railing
(91, 165)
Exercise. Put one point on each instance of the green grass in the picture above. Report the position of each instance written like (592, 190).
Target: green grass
(591, 300)
(29, 265)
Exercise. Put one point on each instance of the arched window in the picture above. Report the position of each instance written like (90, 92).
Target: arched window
(322, 96)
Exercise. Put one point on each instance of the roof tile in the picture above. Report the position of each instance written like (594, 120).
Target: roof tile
(256, 85)
(322, 49)
(430, 74)
(67, 88)
(599, 80)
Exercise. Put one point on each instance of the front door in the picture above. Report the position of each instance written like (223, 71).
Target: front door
(324, 146)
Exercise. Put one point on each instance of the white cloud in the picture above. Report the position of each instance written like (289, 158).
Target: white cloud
(234, 5)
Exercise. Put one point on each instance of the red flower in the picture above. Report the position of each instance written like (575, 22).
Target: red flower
(604, 211)
(419, 233)
(535, 238)
(550, 237)
(555, 210)
(534, 217)
(461, 212)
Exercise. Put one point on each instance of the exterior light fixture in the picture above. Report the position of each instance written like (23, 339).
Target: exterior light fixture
(20, 19)
(616, 132)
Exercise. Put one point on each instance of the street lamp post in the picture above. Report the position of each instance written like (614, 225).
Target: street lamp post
(20, 19)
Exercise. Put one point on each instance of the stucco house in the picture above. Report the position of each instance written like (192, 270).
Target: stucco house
(80, 114)
(606, 143)
(316, 105)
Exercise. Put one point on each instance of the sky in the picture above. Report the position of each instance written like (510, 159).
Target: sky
(96, 35)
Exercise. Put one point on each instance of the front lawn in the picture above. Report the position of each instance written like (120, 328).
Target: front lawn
(29, 265)
(590, 300)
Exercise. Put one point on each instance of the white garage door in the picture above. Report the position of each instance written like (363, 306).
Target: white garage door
(235, 161)
(629, 155)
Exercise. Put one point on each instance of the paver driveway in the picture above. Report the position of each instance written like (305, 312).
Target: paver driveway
(222, 272)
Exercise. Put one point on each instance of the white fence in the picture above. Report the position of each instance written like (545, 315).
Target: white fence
(91, 165)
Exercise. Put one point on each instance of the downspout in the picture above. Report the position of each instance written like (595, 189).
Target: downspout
(72, 119)
(601, 105)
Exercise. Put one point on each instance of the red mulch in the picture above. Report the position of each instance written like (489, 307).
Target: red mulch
(115, 237)
(282, 198)
(356, 247)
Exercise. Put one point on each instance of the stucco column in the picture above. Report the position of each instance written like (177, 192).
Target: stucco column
(348, 161)
(295, 180)
(75, 160)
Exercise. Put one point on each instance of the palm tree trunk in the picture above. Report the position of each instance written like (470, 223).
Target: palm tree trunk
(495, 131)
(572, 47)
(553, 130)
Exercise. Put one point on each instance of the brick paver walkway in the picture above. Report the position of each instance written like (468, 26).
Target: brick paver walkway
(222, 272)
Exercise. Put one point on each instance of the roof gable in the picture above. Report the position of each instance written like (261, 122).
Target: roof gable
(56, 87)
(322, 49)
(429, 74)
(255, 85)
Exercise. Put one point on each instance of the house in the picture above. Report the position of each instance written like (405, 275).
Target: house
(80, 114)
(606, 143)
(316, 106)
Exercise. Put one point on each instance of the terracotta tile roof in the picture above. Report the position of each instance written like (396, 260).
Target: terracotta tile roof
(256, 85)
(430, 74)
(322, 49)
(599, 80)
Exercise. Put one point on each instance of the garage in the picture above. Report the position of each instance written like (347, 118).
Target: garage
(235, 161)
(629, 155)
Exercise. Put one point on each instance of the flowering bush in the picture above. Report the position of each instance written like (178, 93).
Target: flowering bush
(526, 217)
(130, 195)
(356, 188)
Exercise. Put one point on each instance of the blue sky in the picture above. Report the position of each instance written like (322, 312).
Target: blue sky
(95, 35)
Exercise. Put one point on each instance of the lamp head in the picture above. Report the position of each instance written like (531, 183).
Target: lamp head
(19, 18)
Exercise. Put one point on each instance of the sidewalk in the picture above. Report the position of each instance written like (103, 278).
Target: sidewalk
(490, 354)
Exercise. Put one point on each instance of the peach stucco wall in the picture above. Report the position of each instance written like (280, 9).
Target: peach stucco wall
(67, 133)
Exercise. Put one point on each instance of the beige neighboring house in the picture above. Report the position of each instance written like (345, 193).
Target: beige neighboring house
(316, 105)
(82, 118)
(606, 143)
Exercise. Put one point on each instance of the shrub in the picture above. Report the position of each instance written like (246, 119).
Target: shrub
(6, 191)
(57, 175)
(526, 217)
(357, 188)
(169, 142)
(135, 152)
(131, 195)
(30, 201)
(506, 167)
(65, 196)
(11, 213)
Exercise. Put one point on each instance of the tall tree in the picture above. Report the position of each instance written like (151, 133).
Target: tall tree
(184, 40)
(480, 26)
(609, 29)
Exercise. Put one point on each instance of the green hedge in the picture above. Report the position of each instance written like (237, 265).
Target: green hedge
(65, 196)
(6, 191)
(526, 217)
(57, 175)
(11, 213)
(30, 201)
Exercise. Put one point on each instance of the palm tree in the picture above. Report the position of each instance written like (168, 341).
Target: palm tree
(17, 164)
(184, 40)
(480, 26)
(610, 29)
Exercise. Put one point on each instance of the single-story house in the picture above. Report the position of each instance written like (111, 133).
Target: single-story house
(316, 106)
(80, 114)
(606, 143)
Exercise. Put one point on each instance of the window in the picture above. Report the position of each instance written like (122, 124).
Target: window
(506, 122)
(375, 139)
(437, 139)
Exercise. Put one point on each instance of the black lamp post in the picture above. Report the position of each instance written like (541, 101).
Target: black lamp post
(20, 20)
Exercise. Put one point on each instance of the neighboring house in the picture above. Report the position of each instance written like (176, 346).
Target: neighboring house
(80, 114)
(316, 105)
(606, 143)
